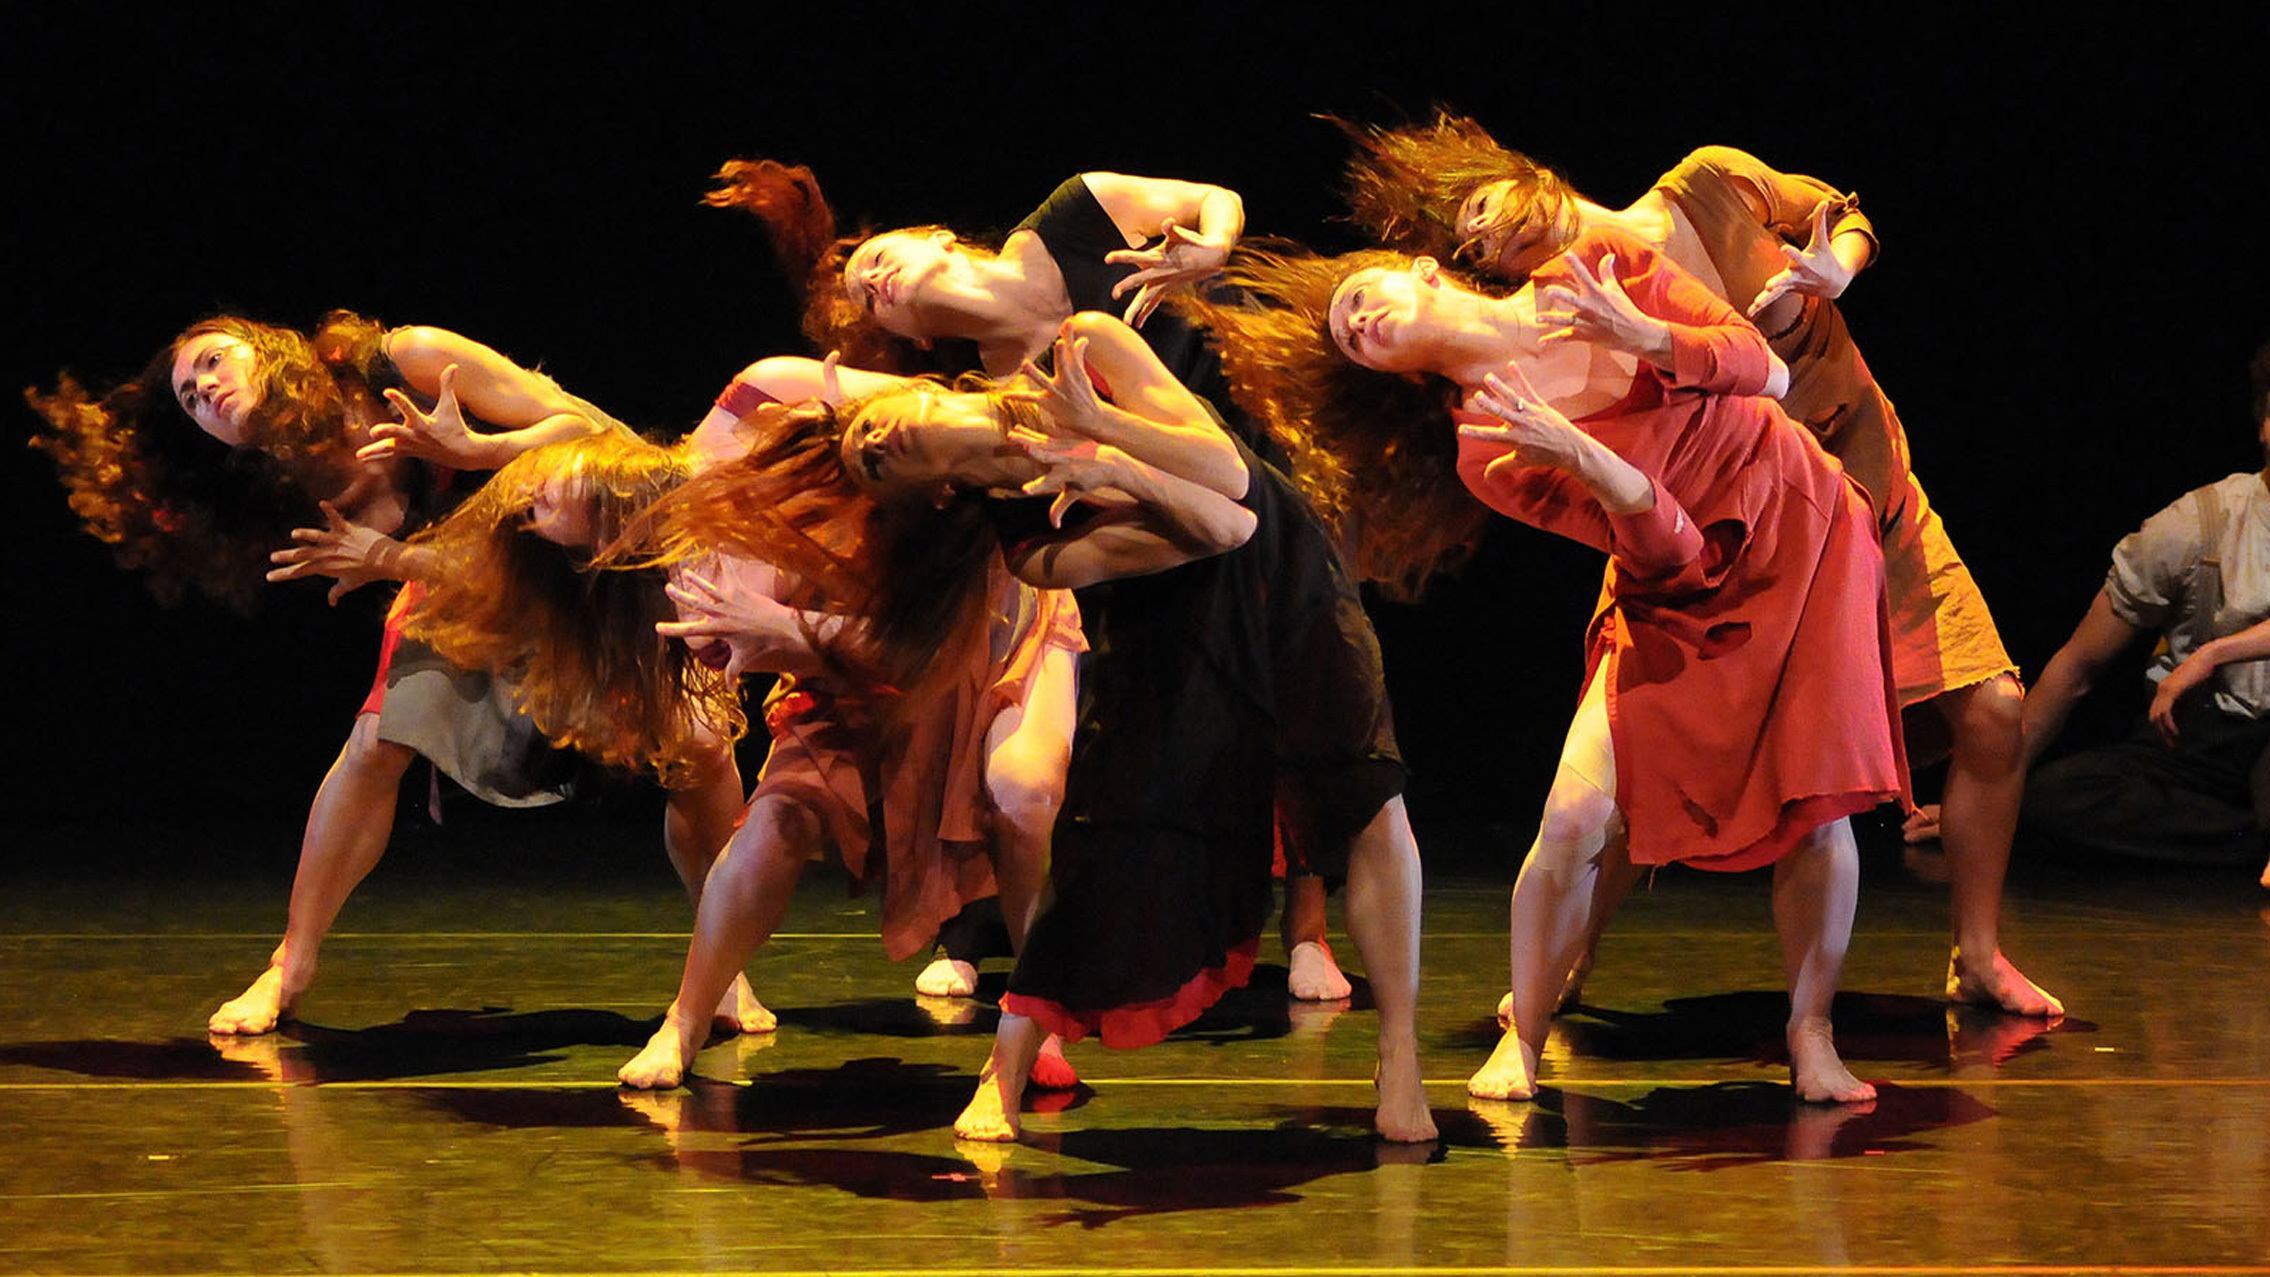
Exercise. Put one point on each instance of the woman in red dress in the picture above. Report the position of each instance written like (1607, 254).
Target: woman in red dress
(1738, 707)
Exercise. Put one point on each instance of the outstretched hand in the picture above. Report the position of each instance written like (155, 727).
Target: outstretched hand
(1593, 306)
(744, 627)
(351, 554)
(1075, 470)
(1180, 259)
(1536, 431)
(440, 436)
(1068, 395)
(1813, 270)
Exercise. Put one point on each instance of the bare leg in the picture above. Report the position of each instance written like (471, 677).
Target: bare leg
(347, 829)
(1815, 889)
(1978, 817)
(1555, 894)
(1027, 749)
(1551, 916)
(1618, 875)
(746, 895)
(992, 1114)
(1383, 920)
(696, 823)
(1311, 975)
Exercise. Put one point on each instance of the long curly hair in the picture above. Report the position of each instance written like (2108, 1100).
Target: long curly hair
(1406, 185)
(801, 226)
(1376, 454)
(914, 573)
(189, 512)
(576, 642)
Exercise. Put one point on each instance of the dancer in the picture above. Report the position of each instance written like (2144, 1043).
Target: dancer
(926, 299)
(1741, 617)
(292, 427)
(1731, 221)
(965, 761)
(1187, 738)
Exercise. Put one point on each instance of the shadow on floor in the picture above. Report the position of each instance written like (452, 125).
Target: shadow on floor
(1748, 1025)
(1709, 1128)
(421, 1044)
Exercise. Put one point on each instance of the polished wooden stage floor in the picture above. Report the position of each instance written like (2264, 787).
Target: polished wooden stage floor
(448, 1103)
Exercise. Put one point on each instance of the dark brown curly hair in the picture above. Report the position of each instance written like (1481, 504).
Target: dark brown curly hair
(1375, 453)
(576, 642)
(1406, 185)
(189, 512)
(800, 224)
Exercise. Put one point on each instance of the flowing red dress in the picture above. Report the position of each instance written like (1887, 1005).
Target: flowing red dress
(1742, 625)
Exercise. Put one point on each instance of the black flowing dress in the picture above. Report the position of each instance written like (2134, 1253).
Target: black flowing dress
(1217, 697)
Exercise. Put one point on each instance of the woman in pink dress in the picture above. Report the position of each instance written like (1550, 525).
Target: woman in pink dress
(1738, 707)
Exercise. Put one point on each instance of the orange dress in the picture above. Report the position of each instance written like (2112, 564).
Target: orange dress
(1943, 636)
(1741, 626)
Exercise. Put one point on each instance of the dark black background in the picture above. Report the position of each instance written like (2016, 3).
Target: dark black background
(2071, 284)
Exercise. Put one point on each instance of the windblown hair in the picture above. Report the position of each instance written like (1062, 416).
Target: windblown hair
(1406, 185)
(915, 574)
(800, 224)
(1376, 454)
(185, 510)
(576, 642)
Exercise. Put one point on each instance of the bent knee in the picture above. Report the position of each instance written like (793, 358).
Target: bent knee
(1027, 788)
(368, 754)
(1576, 814)
(778, 825)
(1990, 720)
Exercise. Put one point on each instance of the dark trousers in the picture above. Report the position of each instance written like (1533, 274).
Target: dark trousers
(2203, 801)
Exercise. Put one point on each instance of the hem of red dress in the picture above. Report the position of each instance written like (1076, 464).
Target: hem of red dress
(1799, 817)
(1141, 1023)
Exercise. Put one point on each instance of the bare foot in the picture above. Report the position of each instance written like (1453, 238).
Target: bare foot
(1816, 1071)
(1050, 1069)
(1999, 985)
(992, 1114)
(740, 1012)
(1505, 1011)
(1510, 1073)
(1314, 976)
(257, 1009)
(662, 1064)
(946, 978)
(1402, 1116)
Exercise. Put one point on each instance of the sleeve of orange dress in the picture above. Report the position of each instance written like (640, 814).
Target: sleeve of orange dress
(1652, 544)
(1786, 199)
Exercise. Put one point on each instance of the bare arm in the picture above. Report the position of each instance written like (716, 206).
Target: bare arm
(2097, 641)
(464, 376)
(2249, 644)
(1195, 225)
(1150, 415)
(1164, 521)
(1142, 206)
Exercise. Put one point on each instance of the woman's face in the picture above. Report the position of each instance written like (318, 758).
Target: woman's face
(1378, 316)
(562, 511)
(887, 277)
(1506, 230)
(216, 379)
(918, 442)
